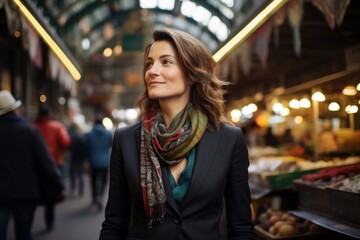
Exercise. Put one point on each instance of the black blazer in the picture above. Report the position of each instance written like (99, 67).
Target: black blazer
(220, 173)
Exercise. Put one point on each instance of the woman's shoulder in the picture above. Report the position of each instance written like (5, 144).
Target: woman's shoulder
(131, 129)
(227, 127)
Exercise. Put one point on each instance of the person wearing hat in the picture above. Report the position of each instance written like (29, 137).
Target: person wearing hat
(24, 156)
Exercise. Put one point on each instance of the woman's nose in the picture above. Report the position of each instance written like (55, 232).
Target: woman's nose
(154, 69)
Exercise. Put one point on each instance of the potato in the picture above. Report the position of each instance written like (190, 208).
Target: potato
(273, 219)
(286, 230)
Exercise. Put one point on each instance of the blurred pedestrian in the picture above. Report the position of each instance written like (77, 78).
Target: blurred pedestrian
(270, 139)
(98, 142)
(173, 174)
(58, 140)
(327, 140)
(77, 160)
(24, 157)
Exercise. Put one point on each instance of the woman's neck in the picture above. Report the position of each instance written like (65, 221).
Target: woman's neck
(169, 111)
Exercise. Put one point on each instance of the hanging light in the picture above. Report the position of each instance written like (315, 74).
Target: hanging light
(305, 103)
(294, 103)
(318, 96)
(351, 109)
(349, 90)
(298, 119)
(235, 115)
(277, 107)
(253, 107)
(334, 106)
(285, 111)
(358, 87)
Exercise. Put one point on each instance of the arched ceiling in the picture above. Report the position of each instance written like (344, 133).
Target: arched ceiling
(104, 23)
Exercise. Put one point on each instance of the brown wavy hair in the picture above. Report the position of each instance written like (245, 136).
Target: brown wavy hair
(196, 61)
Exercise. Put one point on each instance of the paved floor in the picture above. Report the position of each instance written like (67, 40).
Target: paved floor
(76, 219)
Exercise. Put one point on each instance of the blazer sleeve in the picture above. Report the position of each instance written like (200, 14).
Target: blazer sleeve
(117, 211)
(237, 194)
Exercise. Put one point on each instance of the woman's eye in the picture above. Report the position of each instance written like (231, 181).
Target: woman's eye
(167, 61)
(148, 65)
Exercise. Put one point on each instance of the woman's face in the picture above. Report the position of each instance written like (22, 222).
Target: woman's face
(164, 78)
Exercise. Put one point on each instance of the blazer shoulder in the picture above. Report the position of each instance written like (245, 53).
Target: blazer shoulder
(226, 127)
(124, 131)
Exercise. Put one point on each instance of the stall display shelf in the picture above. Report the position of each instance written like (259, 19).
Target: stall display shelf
(268, 236)
(330, 224)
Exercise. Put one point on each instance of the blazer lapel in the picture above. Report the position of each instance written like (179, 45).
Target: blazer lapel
(169, 195)
(205, 155)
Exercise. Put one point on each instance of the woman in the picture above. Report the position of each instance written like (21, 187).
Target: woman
(170, 174)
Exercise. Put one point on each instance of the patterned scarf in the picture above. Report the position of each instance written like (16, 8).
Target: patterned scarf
(168, 146)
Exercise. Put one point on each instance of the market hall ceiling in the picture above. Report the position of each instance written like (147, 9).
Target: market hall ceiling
(88, 27)
(100, 24)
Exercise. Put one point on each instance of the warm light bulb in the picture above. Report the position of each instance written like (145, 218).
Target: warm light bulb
(334, 106)
(235, 115)
(298, 119)
(358, 87)
(305, 103)
(294, 103)
(285, 111)
(318, 96)
(349, 91)
(277, 107)
(351, 109)
(107, 52)
(253, 107)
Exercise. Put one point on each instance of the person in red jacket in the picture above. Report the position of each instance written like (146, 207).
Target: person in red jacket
(57, 139)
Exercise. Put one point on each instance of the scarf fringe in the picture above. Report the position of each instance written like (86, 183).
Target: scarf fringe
(156, 214)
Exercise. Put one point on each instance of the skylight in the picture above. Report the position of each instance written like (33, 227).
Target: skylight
(166, 5)
(148, 3)
(187, 8)
(202, 15)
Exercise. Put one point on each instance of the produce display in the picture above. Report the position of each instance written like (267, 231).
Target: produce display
(351, 184)
(280, 172)
(283, 224)
(329, 176)
(280, 164)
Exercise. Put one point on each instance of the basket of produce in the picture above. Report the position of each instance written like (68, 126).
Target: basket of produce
(332, 192)
(276, 224)
(345, 199)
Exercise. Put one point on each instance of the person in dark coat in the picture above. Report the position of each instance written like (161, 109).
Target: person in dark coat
(77, 160)
(98, 143)
(24, 158)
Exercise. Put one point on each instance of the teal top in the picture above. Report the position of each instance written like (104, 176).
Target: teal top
(179, 189)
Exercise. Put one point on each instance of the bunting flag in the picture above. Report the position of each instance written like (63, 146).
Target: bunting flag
(244, 53)
(278, 19)
(65, 79)
(261, 40)
(333, 10)
(295, 14)
(225, 67)
(54, 65)
(12, 18)
(35, 50)
(234, 68)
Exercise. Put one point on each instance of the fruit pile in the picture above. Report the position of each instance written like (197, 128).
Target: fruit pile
(329, 176)
(283, 224)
